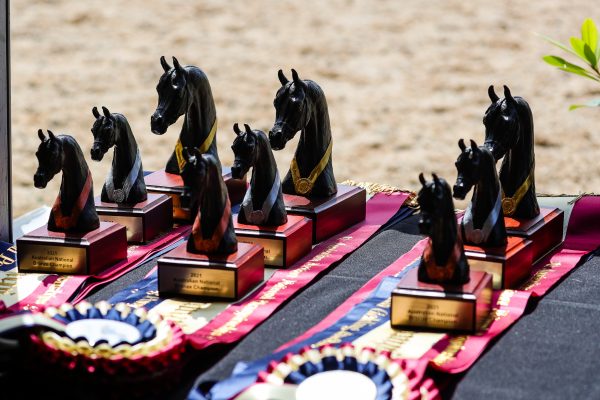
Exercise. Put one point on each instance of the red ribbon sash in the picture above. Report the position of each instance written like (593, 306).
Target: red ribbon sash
(69, 221)
(212, 244)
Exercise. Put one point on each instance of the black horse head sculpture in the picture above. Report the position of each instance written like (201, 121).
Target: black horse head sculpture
(263, 203)
(73, 210)
(483, 222)
(125, 181)
(443, 259)
(212, 231)
(509, 134)
(300, 105)
(185, 91)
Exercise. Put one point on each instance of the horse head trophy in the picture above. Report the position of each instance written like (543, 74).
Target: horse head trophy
(73, 209)
(185, 91)
(483, 222)
(300, 106)
(212, 231)
(509, 134)
(125, 181)
(443, 260)
(263, 203)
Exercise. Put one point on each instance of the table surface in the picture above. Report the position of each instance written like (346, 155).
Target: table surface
(550, 352)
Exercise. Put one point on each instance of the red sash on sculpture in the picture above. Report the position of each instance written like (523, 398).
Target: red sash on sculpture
(212, 244)
(69, 221)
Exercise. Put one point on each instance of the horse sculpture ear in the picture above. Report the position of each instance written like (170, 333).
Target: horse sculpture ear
(51, 135)
(508, 95)
(282, 78)
(106, 112)
(493, 96)
(95, 112)
(297, 81)
(177, 66)
(474, 145)
(164, 64)
(179, 77)
(236, 129)
(422, 179)
(248, 129)
(461, 145)
(41, 135)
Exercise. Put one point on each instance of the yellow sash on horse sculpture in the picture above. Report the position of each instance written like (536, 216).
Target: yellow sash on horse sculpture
(510, 204)
(304, 186)
(202, 149)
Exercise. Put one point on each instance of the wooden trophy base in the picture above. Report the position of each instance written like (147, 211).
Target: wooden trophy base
(545, 230)
(330, 215)
(441, 307)
(509, 265)
(162, 182)
(72, 253)
(211, 277)
(283, 245)
(144, 221)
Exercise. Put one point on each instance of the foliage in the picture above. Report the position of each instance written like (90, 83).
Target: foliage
(586, 48)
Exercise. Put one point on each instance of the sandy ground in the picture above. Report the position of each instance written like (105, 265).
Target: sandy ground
(404, 80)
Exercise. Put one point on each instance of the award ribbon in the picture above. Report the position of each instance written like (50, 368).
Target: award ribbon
(304, 186)
(120, 195)
(210, 245)
(477, 236)
(257, 217)
(510, 204)
(68, 221)
(104, 342)
(202, 149)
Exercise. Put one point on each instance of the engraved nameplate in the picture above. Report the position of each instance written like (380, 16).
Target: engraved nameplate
(197, 281)
(52, 258)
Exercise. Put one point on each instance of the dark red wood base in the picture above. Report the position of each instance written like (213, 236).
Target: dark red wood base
(330, 215)
(441, 307)
(161, 182)
(283, 245)
(509, 265)
(144, 221)
(211, 277)
(69, 253)
(545, 230)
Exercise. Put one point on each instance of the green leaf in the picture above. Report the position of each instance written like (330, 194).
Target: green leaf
(592, 103)
(556, 43)
(590, 55)
(577, 45)
(589, 34)
(566, 66)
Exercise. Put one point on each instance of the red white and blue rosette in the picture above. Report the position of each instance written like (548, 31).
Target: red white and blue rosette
(389, 377)
(110, 343)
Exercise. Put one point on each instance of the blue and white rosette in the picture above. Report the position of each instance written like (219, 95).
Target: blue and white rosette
(108, 343)
(387, 376)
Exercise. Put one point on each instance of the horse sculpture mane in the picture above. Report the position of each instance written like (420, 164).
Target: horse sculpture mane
(509, 133)
(443, 259)
(73, 210)
(212, 231)
(483, 222)
(263, 203)
(301, 106)
(125, 181)
(186, 91)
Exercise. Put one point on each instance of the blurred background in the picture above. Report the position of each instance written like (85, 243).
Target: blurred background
(403, 80)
